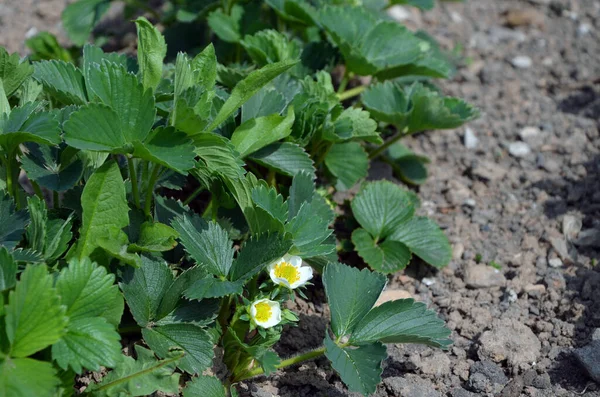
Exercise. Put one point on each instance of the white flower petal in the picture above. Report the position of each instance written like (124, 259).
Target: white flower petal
(306, 274)
(295, 261)
(274, 317)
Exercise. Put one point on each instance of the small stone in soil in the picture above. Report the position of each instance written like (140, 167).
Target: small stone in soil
(483, 276)
(555, 262)
(529, 132)
(512, 341)
(519, 149)
(470, 139)
(521, 62)
(589, 358)
(411, 385)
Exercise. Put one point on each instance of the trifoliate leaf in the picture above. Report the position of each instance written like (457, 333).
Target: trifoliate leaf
(227, 26)
(402, 321)
(43, 165)
(204, 386)
(144, 288)
(351, 293)
(386, 257)
(269, 200)
(248, 87)
(104, 208)
(35, 318)
(257, 133)
(151, 53)
(196, 342)
(380, 207)
(206, 242)
(16, 378)
(141, 377)
(13, 72)
(168, 147)
(89, 343)
(284, 157)
(359, 367)
(62, 80)
(269, 46)
(80, 17)
(256, 254)
(88, 291)
(211, 287)
(425, 239)
(348, 173)
(8, 270)
(13, 223)
(301, 191)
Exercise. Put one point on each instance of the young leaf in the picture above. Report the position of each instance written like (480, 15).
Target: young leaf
(104, 208)
(196, 342)
(151, 52)
(269, 200)
(402, 321)
(168, 147)
(256, 254)
(204, 386)
(354, 123)
(80, 17)
(269, 46)
(347, 173)
(16, 378)
(35, 318)
(8, 270)
(359, 367)
(36, 230)
(301, 191)
(227, 27)
(204, 66)
(57, 238)
(425, 239)
(155, 237)
(13, 72)
(380, 207)
(89, 343)
(13, 223)
(386, 257)
(285, 157)
(62, 80)
(207, 243)
(141, 377)
(257, 133)
(248, 87)
(351, 293)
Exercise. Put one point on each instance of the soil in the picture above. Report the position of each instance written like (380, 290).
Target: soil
(518, 193)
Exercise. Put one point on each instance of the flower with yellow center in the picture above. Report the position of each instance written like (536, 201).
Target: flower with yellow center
(289, 272)
(265, 312)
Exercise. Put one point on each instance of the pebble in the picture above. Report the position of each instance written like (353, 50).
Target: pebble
(596, 334)
(470, 139)
(428, 281)
(535, 290)
(555, 262)
(589, 358)
(512, 341)
(584, 29)
(521, 62)
(529, 132)
(519, 149)
(399, 13)
(411, 385)
(483, 276)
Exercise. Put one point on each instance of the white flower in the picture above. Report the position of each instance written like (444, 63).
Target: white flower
(289, 272)
(265, 313)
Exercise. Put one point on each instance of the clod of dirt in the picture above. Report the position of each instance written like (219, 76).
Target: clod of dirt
(589, 358)
(510, 341)
(487, 377)
(524, 17)
(411, 386)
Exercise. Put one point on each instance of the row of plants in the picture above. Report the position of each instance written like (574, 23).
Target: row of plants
(182, 204)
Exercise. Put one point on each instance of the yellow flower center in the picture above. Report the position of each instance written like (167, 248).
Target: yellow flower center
(287, 271)
(263, 311)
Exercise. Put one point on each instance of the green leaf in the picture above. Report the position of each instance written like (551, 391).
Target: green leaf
(306, 231)
(227, 27)
(36, 230)
(58, 237)
(172, 294)
(121, 91)
(204, 66)
(388, 103)
(248, 87)
(95, 127)
(104, 208)
(301, 191)
(269, 200)
(45, 166)
(257, 133)
(284, 157)
(116, 244)
(425, 239)
(13, 72)
(269, 46)
(297, 11)
(155, 237)
(380, 207)
(356, 124)
(16, 378)
(204, 386)
(207, 243)
(80, 17)
(62, 80)
(351, 293)
(13, 223)
(196, 342)
(151, 53)
(422, 4)
(94, 57)
(88, 344)
(141, 377)
(265, 102)
(45, 46)
(386, 257)
(28, 124)
(359, 367)
(144, 288)
(408, 166)
(211, 287)
(347, 173)
(201, 313)
(168, 147)
(218, 155)
(256, 254)
(35, 318)
(402, 321)
(8, 270)
(88, 291)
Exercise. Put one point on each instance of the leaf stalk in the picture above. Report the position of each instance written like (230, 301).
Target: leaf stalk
(351, 93)
(309, 355)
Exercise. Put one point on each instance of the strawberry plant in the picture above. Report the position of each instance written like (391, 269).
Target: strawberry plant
(177, 203)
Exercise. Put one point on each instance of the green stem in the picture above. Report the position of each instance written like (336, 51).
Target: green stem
(351, 93)
(323, 154)
(224, 312)
(343, 83)
(193, 195)
(310, 355)
(37, 189)
(385, 145)
(214, 207)
(129, 329)
(56, 199)
(272, 178)
(148, 370)
(9, 178)
(134, 182)
(150, 191)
